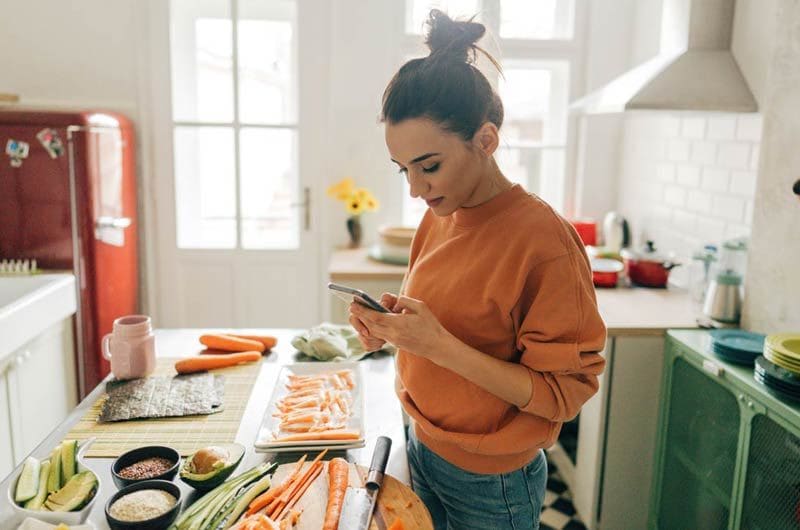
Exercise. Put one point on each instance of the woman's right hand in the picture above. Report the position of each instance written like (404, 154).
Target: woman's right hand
(370, 342)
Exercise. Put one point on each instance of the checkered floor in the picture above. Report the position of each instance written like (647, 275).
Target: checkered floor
(558, 512)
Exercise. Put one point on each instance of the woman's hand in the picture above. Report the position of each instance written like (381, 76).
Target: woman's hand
(367, 340)
(411, 326)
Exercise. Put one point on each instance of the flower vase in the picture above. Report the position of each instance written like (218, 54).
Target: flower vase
(354, 229)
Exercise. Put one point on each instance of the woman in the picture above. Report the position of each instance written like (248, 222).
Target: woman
(497, 326)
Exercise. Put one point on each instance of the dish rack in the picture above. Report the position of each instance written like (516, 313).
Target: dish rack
(18, 267)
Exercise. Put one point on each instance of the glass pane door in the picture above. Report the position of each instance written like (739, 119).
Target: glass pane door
(700, 452)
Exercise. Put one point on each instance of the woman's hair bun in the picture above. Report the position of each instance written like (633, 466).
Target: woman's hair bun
(452, 38)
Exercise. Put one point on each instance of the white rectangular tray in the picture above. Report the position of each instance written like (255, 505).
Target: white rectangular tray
(264, 439)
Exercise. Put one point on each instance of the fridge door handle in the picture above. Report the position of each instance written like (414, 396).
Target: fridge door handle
(113, 222)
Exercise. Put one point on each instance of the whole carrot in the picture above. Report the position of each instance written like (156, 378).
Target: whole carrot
(268, 341)
(216, 341)
(338, 474)
(211, 362)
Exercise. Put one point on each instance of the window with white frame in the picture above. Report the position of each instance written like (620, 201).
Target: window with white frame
(234, 116)
(534, 41)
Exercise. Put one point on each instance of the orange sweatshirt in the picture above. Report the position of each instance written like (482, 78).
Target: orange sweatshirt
(510, 278)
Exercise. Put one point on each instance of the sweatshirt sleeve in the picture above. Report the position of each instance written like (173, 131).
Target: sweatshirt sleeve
(560, 336)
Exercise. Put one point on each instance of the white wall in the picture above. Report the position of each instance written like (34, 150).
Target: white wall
(689, 179)
(753, 39)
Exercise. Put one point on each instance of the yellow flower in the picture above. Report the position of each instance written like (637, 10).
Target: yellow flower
(355, 205)
(372, 204)
(342, 189)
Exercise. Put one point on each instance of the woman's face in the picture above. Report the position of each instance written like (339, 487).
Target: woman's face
(439, 166)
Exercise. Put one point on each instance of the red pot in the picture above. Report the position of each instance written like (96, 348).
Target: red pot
(647, 268)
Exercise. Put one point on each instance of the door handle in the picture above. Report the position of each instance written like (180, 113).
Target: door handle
(113, 222)
(306, 205)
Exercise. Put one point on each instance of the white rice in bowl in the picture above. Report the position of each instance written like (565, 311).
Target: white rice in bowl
(142, 505)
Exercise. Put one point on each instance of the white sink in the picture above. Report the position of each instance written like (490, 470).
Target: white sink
(31, 304)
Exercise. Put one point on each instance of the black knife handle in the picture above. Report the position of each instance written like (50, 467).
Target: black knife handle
(380, 457)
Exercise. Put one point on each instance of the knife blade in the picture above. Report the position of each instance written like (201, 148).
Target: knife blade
(359, 503)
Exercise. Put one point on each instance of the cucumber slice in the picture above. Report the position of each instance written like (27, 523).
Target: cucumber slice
(69, 462)
(28, 483)
(37, 502)
(54, 479)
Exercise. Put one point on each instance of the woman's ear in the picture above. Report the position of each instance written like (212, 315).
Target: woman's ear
(487, 138)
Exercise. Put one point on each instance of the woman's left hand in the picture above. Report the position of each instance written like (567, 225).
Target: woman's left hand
(411, 327)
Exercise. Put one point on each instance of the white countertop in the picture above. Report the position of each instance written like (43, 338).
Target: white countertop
(31, 304)
(626, 311)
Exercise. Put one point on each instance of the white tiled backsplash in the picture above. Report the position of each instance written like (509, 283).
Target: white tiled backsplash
(689, 179)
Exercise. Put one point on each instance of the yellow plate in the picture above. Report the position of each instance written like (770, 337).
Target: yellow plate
(781, 361)
(787, 344)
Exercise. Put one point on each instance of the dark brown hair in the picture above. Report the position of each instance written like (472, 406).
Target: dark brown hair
(445, 86)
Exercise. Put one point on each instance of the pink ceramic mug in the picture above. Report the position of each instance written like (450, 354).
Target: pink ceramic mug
(131, 347)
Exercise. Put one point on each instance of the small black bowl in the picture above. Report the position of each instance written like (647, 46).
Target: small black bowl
(161, 522)
(135, 455)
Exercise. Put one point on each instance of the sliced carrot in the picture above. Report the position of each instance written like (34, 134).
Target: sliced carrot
(268, 341)
(230, 343)
(338, 475)
(265, 498)
(335, 434)
(210, 362)
(397, 524)
(298, 494)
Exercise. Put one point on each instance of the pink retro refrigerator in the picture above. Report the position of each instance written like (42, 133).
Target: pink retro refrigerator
(68, 200)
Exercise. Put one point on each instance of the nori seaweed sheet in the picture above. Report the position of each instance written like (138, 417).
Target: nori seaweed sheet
(161, 397)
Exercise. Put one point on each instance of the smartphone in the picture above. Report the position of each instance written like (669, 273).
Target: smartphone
(359, 295)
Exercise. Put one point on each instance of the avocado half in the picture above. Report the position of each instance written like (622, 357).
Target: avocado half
(210, 466)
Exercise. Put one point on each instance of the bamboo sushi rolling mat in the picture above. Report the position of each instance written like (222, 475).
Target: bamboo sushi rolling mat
(184, 434)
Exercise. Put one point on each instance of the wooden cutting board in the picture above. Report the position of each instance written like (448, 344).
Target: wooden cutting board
(396, 501)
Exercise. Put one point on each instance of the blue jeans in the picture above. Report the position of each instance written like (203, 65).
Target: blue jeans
(461, 500)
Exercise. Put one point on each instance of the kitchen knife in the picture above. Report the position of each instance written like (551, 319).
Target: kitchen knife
(359, 503)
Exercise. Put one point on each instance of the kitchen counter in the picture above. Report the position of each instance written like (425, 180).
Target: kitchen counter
(636, 311)
(383, 417)
(31, 304)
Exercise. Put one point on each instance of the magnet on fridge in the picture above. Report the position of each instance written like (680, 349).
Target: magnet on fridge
(17, 150)
(51, 142)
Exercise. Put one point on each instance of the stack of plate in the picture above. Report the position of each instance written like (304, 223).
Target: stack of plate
(737, 346)
(783, 384)
(394, 245)
(783, 350)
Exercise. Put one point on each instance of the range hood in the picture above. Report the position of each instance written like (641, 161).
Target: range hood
(694, 70)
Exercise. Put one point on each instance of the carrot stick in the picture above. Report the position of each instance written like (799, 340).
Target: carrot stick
(230, 343)
(338, 474)
(266, 340)
(266, 497)
(334, 434)
(301, 490)
(211, 362)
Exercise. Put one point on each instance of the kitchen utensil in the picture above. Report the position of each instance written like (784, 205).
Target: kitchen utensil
(73, 518)
(647, 267)
(139, 454)
(156, 523)
(723, 301)
(700, 273)
(605, 272)
(359, 503)
(616, 234)
(586, 229)
(265, 441)
(400, 236)
(131, 347)
(787, 344)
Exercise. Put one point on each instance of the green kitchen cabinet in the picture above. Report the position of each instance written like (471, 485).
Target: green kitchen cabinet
(728, 454)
